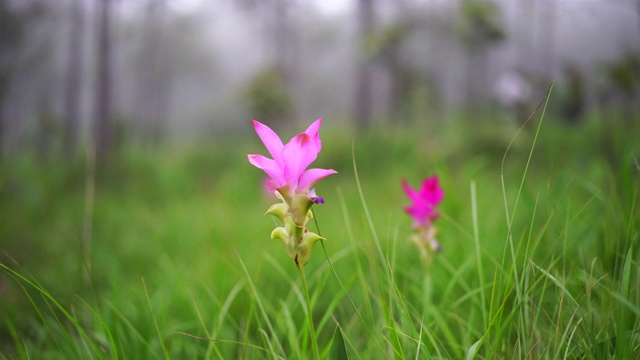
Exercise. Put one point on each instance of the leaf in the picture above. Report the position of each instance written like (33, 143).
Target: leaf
(338, 350)
(471, 354)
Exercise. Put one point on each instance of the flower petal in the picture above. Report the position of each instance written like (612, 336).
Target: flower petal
(422, 216)
(267, 165)
(431, 192)
(297, 155)
(418, 218)
(270, 139)
(411, 193)
(314, 197)
(312, 131)
(309, 177)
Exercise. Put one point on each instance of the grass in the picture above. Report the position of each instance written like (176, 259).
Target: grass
(540, 251)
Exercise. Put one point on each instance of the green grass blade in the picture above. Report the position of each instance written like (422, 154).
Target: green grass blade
(338, 348)
(155, 323)
(45, 294)
(476, 238)
(374, 233)
(473, 350)
(104, 326)
(263, 312)
(623, 320)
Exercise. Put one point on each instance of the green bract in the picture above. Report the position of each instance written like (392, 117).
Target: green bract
(297, 239)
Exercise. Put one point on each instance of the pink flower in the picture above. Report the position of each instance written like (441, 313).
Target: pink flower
(288, 169)
(424, 202)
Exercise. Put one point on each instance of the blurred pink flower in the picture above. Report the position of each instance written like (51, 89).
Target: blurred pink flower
(266, 190)
(288, 169)
(424, 202)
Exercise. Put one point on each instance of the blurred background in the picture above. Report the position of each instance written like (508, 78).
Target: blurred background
(115, 72)
(125, 124)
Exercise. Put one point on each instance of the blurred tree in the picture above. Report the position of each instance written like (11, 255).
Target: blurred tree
(638, 12)
(623, 78)
(619, 95)
(279, 41)
(161, 50)
(573, 104)
(411, 87)
(268, 98)
(279, 48)
(479, 27)
(366, 21)
(73, 95)
(11, 35)
(153, 78)
(282, 38)
(103, 127)
(386, 45)
(25, 74)
(547, 38)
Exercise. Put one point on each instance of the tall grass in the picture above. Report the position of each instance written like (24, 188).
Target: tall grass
(539, 256)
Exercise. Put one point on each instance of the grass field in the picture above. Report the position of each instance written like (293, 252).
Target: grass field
(164, 250)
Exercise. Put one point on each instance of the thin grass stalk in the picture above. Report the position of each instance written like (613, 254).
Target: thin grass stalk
(510, 216)
(155, 323)
(476, 238)
(361, 278)
(374, 233)
(261, 308)
(87, 216)
(359, 268)
(312, 330)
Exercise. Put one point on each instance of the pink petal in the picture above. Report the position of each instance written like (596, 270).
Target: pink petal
(314, 128)
(273, 184)
(267, 165)
(424, 201)
(270, 139)
(431, 192)
(412, 194)
(421, 214)
(310, 177)
(416, 213)
(312, 131)
(297, 155)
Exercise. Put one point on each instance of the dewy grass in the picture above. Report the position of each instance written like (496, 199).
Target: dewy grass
(155, 322)
(309, 311)
(49, 299)
(263, 312)
(574, 237)
(509, 219)
(476, 238)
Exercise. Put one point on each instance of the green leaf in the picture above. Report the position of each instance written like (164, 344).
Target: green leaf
(623, 324)
(473, 350)
(338, 350)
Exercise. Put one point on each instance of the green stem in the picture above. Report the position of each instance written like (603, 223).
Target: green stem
(314, 342)
(428, 288)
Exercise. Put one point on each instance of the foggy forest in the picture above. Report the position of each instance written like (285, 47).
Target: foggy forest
(467, 185)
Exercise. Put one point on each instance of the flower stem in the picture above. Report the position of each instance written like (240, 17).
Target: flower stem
(314, 342)
(428, 288)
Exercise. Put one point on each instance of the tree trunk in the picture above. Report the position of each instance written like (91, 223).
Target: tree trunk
(11, 36)
(4, 82)
(74, 73)
(150, 101)
(638, 13)
(363, 96)
(103, 129)
(282, 38)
